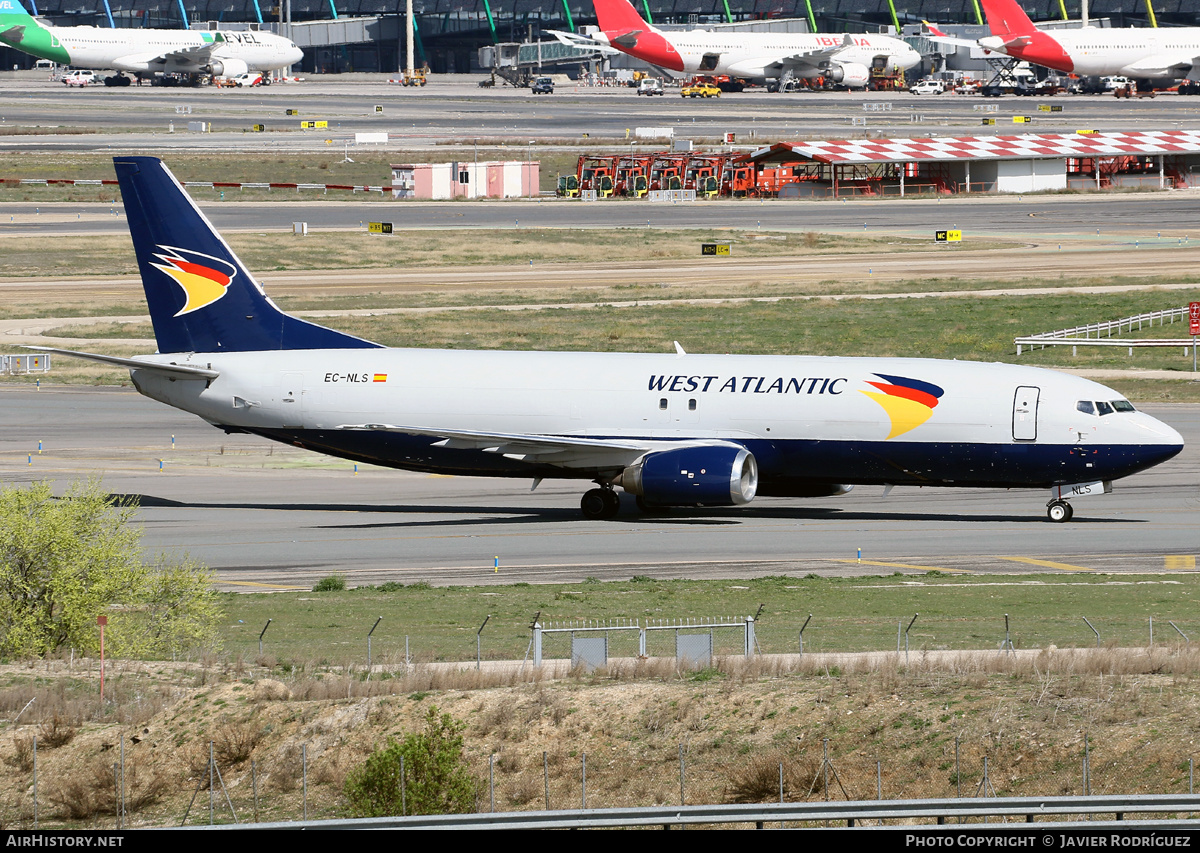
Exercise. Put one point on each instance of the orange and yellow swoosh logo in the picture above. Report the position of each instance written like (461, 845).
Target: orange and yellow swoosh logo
(204, 279)
(908, 402)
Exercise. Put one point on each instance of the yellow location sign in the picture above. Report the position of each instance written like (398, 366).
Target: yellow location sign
(1022, 119)
(987, 121)
(714, 248)
(1085, 132)
(947, 236)
(379, 228)
(310, 125)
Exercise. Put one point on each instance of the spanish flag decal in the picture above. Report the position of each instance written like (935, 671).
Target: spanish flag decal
(380, 377)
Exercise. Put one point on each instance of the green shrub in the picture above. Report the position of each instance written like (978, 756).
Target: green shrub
(435, 777)
(330, 583)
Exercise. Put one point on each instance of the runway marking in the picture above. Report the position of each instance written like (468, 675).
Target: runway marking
(1065, 567)
(263, 585)
(1179, 561)
(906, 566)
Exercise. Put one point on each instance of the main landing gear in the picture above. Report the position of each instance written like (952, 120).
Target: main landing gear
(1059, 511)
(603, 502)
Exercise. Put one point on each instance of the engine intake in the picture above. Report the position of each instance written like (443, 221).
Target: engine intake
(227, 67)
(693, 476)
(852, 74)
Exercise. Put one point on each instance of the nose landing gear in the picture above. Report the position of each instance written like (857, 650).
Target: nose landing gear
(1059, 511)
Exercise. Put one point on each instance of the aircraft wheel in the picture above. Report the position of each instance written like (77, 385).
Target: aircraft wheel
(1059, 511)
(599, 503)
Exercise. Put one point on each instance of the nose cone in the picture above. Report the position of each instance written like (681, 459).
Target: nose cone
(1155, 441)
(294, 55)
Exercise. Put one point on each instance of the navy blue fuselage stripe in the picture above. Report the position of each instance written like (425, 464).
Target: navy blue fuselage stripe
(783, 465)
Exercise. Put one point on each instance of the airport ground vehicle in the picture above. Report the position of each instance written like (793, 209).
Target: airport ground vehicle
(700, 90)
(928, 87)
(667, 170)
(650, 86)
(415, 78)
(79, 77)
(703, 174)
(592, 173)
(632, 177)
(671, 429)
(250, 78)
(543, 86)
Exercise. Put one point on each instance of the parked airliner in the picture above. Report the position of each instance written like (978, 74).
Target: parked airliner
(1163, 53)
(674, 429)
(843, 58)
(143, 52)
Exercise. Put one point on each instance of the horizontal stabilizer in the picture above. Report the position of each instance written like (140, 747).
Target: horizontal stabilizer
(179, 371)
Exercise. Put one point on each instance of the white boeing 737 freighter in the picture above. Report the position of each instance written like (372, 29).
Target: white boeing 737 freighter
(674, 430)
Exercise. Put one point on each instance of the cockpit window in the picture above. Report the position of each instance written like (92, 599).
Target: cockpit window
(1123, 406)
(1104, 408)
(1086, 407)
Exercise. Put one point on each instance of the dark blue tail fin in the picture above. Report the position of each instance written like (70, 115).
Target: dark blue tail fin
(201, 297)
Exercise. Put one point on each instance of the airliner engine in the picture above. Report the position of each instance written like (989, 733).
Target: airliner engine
(851, 74)
(717, 475)
(227, 67)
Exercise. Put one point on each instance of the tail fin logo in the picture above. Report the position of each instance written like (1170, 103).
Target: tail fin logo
(204, 279)
(908, 402)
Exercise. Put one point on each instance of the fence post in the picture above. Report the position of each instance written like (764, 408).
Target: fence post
(546, 777)
(749, 652)
(1087, 770)
(537, 644)
(492, 782)
(682, 801)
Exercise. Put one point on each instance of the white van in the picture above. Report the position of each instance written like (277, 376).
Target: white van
(928, 87)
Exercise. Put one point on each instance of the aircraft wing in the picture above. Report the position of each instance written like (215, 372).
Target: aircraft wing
(193, 58)
(576, 40)
(819, 56)
(957, 42)
(559, 450)
(931, 32)
(176, 371)
(1164, 65)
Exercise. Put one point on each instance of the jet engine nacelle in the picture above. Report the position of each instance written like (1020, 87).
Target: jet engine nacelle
(693, 476)
(852, 74)
(227, 67)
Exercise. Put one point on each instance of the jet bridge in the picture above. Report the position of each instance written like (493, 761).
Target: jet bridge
(518, 62)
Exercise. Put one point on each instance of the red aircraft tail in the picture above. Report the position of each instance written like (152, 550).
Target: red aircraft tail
(1006, 19)
(618, 15)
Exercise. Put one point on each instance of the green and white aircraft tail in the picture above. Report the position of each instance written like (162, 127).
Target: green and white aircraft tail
(21, 30)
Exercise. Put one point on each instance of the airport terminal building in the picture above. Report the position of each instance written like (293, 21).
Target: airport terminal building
(368, 35)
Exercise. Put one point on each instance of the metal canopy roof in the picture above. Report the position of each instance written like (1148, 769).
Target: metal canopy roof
(1035, 146)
